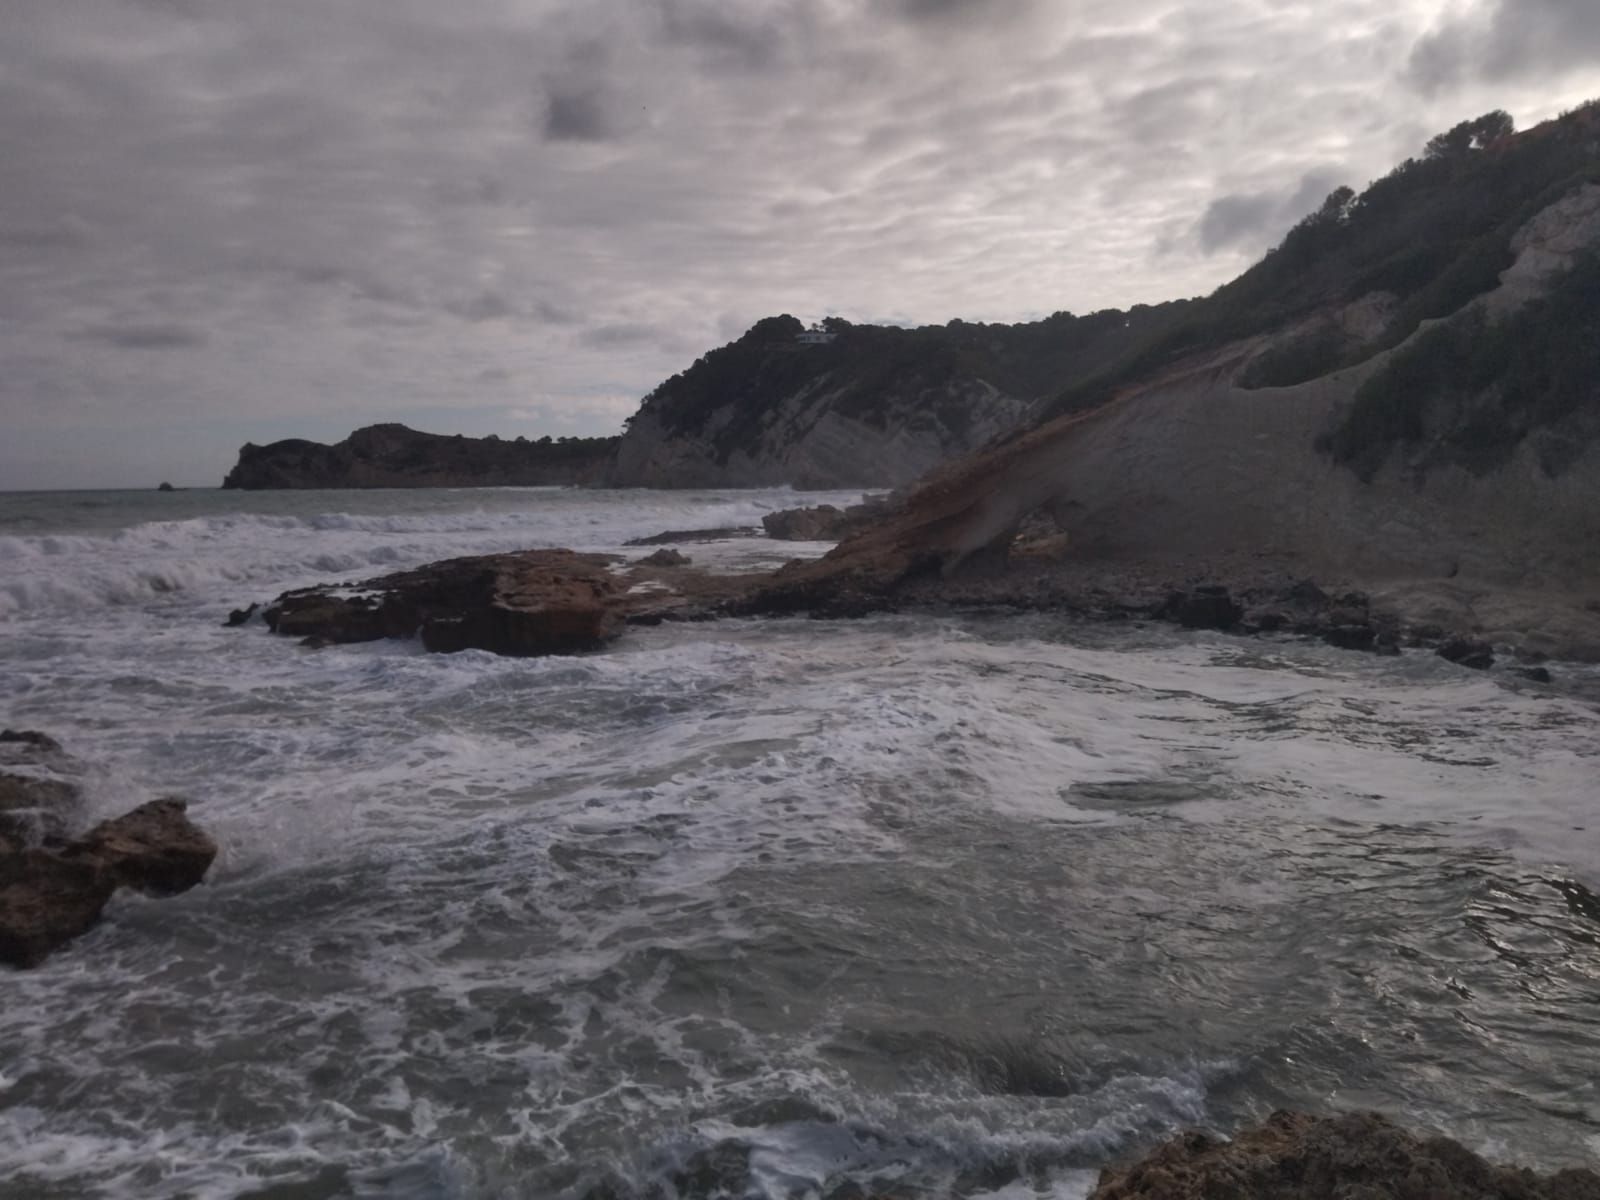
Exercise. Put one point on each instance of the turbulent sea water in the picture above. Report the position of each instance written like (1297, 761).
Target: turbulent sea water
(961, 905)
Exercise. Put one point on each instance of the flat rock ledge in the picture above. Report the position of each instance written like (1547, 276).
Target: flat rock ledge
(53, 887)
(525, 603)
(1353, 1156)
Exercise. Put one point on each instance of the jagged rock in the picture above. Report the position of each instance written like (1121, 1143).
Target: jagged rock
(394, 456)
(1536, 674)
(239, 616)
(39, 802)
(154, 849)
(1468, 652)
(1206, 606)
(51, 888)
(45, 902)
(1355, 1156)
(823, 522)
(1351, 636)
(664, 558)
(526, 603)
(31, 740)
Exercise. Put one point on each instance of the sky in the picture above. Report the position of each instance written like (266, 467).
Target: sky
(241, 220)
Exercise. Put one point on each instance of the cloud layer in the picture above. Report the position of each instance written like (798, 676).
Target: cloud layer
(224, 220)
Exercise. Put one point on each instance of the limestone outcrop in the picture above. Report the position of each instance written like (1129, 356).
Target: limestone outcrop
(1354, 1156)
(393, 456)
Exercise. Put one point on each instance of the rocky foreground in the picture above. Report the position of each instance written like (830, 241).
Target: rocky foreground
(1353, 1156)
(53, 885)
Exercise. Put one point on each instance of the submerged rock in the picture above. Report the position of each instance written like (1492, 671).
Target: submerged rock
(1354, 1156)
(1207, 606)
(720, 534)
(52, 887)
(1468, 652)
(526, 603)
(664, 558)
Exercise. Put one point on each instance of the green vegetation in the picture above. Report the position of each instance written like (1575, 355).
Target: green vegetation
(1471, 390)
(1435, 232)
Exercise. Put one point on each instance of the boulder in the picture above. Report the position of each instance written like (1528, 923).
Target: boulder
(1206, 606)
(155, 849)
(822, 523)
(720, 534)
(52, 887)
(1354, 1156)
(1350, 636)
(45, 902)
(525, 603)
(1468, 652)
(664, 558)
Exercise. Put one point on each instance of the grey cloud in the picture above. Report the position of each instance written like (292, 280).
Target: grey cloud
(1252, 221)
(1506, 40)
(146, 337)
(382, 199)
(578, 114)
(619, 335)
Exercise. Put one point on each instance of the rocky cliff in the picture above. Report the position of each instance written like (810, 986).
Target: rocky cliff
(1444, 426)
(858, 405)
(393, 456)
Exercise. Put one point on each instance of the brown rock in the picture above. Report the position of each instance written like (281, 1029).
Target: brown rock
(664, 558)
(52, 889)
(154, 849)
(1354, 1156)
(525, 603)
(46, 901)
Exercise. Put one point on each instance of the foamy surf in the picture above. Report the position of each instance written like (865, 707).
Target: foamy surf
(960, 906)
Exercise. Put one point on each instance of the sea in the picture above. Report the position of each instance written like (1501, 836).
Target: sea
(956, 904)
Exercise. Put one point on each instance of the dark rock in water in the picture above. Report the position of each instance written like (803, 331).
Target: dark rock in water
(240, 615)
(45, 902)
(664, 558)
(1355, 1156)
(824, 522)
(671, 536)
(525, 603)
(39, 802)
(51, 888)
(1306, 592)
(154, 849)
(166, 487)
(1536, 674)
(32, 739)
(1351, 636)
(1426, 635)
(1265, 620)
(1207, 606)
(1468, 652)
(1388, 644)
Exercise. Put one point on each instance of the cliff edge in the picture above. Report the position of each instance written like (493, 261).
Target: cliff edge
(393, 456)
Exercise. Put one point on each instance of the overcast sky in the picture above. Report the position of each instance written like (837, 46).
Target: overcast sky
(232, 220)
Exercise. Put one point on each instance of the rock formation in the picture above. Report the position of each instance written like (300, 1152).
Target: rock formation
(530, 602)
(1355, 1156)
(1459, 448)
(871, 406)
(52, 886)
(392, 456)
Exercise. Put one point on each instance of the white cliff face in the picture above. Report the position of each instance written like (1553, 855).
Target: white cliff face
(805, 441)
(1548, 244)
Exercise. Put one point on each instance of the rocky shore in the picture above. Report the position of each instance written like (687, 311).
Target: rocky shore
(53, 885)
(1353, 1156)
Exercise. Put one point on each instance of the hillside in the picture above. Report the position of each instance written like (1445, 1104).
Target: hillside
(862, 405)
(1408, 389)
(393, 456)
